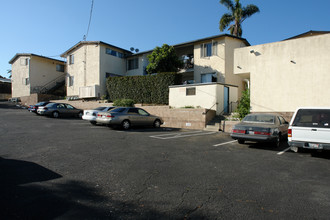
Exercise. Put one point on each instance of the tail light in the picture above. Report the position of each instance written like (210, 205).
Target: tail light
(45, 108)
(238, 131)
(262, 133)
(290, 132)
(110, 116)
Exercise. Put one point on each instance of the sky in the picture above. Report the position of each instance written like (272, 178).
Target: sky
(50, 27)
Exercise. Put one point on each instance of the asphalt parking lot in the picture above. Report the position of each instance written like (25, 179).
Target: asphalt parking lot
(67, 168)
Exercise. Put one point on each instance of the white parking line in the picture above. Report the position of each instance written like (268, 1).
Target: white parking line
(181, 135)
(282, 152)
(224, 143)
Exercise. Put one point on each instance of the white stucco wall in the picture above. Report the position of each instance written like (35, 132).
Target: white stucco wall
(209, 96)
(43, 71)
(85, 69)
(288, 74)
(143, 63)
(19, 73)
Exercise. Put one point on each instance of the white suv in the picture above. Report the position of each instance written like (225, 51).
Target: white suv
(310, 128)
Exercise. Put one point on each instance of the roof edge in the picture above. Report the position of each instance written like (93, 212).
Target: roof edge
(12, 60)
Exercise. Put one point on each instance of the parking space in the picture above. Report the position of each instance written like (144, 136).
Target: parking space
(71, 169)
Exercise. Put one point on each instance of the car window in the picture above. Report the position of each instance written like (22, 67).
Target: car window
(69, 106)
(142, 112)
(109, 109)
(118, 110)
(319, 118)
(256, 118)
(132, 111)
(60, 106)
(282, 120)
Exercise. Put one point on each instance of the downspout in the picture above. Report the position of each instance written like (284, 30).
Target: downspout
(247, 83)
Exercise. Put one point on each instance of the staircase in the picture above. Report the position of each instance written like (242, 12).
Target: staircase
(54, 87)
(215, 123)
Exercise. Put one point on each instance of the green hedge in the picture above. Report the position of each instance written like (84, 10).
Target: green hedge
(151, 89)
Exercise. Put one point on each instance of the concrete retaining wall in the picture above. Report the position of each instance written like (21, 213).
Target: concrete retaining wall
(177, 118)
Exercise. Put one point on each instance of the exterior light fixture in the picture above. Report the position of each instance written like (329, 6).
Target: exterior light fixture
(251, 51)
(292, 61)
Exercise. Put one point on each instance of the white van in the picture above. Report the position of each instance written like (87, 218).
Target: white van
(310, 128)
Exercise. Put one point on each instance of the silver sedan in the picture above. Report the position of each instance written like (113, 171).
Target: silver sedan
(127, 117)
(90, 115)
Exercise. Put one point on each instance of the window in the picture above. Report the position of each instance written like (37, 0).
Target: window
(114, 53)
(133, 111)
(24, 61)
(142, 112)
(133, 64)
(70, 80)
(209, 49)
(209, 77)
(71, 59)
(190, 91)
(26, 81)
(59, 68)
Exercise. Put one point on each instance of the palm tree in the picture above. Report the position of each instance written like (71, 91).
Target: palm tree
(238, 15)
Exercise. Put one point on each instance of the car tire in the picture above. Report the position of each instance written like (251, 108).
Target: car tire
(240, 141)
(126, 124)
(157, 123)
(277, 142)
(56, 114)
(93, 122)
(80, 114)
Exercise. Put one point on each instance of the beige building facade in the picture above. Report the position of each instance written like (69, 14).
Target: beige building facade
(33, 73)
(288, 74)
(89, 64)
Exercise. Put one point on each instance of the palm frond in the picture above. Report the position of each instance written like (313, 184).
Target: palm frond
(250, 10)
(228, 4)
(225, 21)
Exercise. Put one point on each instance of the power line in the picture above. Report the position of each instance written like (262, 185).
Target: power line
(90, 18)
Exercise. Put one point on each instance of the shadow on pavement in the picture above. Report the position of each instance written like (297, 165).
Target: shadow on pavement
(10, 105)
(25, 195)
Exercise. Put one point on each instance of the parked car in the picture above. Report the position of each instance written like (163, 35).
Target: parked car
(127, 117)
(310, 129)
(34, 108)
(261, 128)
(90, 115)
(56, 110)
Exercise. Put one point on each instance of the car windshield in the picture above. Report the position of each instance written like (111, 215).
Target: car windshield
(269, 119)
(100, 108)
(51, 104)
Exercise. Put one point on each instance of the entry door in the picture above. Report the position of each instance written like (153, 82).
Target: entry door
(226, 100)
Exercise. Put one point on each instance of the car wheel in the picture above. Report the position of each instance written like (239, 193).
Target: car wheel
(80, 114)
(240, 141)
(157, 123)
(126, 124)
(93, 122)
(55, 114)
(277, 142)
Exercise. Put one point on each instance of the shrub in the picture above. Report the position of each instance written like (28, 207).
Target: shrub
(150, 89)
(124, 102)
(244, 104)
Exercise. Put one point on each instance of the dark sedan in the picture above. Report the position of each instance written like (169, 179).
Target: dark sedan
(56, 110)
(261, 128)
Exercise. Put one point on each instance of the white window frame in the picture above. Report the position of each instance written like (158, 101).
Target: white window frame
(213, 48)
(71, 59)
(24, 61)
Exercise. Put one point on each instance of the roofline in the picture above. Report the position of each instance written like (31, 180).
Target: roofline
(311, 32)
(198, 40)
(32, 54)
(91, 42)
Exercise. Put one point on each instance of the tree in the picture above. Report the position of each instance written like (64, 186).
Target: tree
(237, 15)
(243, 107)
(164, 59)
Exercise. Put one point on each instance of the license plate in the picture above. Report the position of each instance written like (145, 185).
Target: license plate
(103, 116)
(251, 132)
(314, 146)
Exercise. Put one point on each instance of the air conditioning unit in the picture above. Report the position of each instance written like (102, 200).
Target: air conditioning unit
(89, 91)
